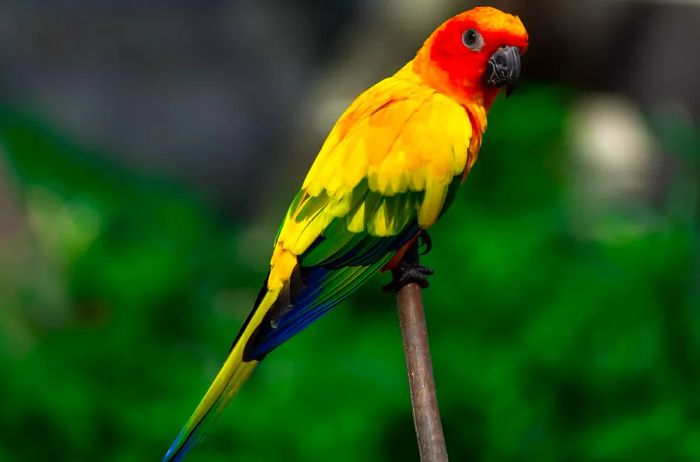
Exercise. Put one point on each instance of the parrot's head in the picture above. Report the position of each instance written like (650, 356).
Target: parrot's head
(473, 55)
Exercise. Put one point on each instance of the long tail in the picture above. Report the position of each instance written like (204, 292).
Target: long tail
(233, 374)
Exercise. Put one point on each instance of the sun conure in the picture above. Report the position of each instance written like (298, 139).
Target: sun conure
(388, 170)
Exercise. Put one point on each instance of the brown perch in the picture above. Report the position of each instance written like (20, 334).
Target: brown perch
(426, 414)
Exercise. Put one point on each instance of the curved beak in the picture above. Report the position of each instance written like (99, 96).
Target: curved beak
(503, 68)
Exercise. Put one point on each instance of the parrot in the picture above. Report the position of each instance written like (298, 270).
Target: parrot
(389, 168)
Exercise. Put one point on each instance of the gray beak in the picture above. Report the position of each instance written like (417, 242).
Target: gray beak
(503, 68)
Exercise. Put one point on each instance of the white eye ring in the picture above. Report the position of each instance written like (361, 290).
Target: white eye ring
(472, 39)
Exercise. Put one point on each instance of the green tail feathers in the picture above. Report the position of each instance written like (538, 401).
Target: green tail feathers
(233, 374)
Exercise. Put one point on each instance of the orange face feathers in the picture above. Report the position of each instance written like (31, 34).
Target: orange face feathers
(472, 55)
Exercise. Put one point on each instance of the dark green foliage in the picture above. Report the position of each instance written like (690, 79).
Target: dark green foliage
(549, 343)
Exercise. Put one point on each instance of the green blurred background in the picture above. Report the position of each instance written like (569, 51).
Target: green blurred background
(149, 149)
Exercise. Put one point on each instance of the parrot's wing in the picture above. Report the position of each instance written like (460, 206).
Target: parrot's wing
(400, 137)
(382, 175)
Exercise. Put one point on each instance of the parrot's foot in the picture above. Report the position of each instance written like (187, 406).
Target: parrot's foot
(424, 242)
(408, 272)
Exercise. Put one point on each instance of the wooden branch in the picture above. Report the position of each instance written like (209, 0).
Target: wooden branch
(426, 414)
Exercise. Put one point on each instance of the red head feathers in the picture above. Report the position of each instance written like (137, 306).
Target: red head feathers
(472, 55)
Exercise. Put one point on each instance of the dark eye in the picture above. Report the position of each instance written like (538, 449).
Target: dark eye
(472, 40)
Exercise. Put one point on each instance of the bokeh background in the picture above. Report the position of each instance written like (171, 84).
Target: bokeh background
(149, 149)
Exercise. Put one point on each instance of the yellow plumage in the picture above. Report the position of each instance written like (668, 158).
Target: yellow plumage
(389, 168)
(388, 136)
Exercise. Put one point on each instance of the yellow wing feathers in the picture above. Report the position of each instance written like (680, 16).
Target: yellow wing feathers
(390, 136)
(400, 136)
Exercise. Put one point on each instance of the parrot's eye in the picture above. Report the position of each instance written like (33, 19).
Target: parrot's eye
(473, 40)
